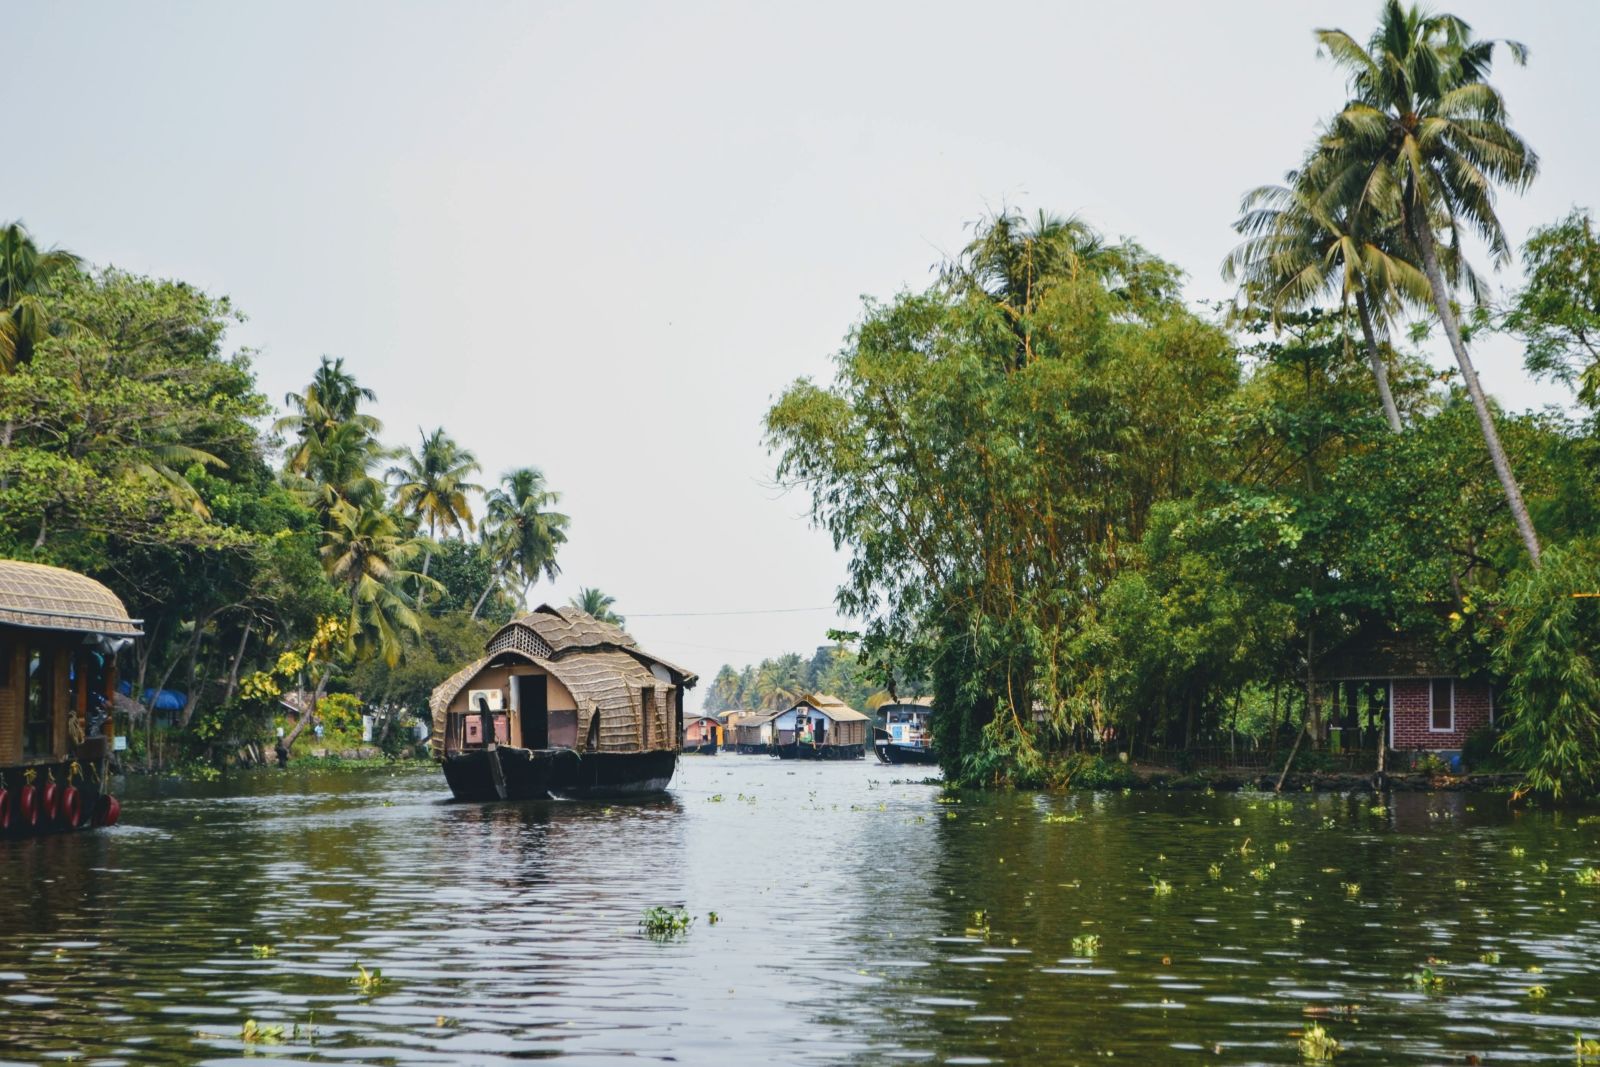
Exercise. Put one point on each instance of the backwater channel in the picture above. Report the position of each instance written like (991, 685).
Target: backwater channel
(861, 919)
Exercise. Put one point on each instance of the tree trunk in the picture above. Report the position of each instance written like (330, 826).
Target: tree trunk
(427, 558)
(494, 580)
(310, 713)
(238, 659)
(1491, 437)
(1380, 370)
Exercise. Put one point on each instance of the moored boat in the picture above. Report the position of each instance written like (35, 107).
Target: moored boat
(561, 705)
(905, 737)
(702, 735)
(59, 636)
(819, 726)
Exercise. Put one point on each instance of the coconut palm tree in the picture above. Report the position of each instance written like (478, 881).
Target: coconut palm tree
(1425, 140)
(365, 552)
(1302, 244)
(431, 486)
(522, 533)
(1013, 263)
(596, 603)
(27, 277)
(331, 400)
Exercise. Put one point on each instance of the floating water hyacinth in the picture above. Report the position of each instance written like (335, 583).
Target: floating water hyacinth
(367, 981)
(251, 1033)
(1427, 979)
(1215, 871)
(1160, 888)
(664, 923)
(1086, 945)
(1351, 889)
(1588, 876)
(1317, 1044)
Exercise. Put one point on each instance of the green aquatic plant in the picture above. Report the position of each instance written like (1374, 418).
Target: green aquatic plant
(1351, 889)
(252, 1033)
(1491, 958)
(714, 798)
(662, 924)
(1317, 1044)
(1589, 876)
(1538, 992)
(1086, 945)
(1427, 979)
(979, 924)
(1215, 871)
(712, 918)
(1160, 887)
(1263, 872)
(262, 952)
(1517, 852)
(1054, 817)
(1281, 846)
(1585, 1048)
(368, 981)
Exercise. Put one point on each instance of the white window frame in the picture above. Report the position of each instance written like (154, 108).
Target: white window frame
(1432, 729)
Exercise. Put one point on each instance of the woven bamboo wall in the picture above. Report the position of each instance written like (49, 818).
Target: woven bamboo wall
(11, 699)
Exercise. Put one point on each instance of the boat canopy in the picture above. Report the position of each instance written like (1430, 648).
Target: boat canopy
(50, 598)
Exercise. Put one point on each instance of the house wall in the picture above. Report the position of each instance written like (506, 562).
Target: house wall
(11, 675)
(1411, 714)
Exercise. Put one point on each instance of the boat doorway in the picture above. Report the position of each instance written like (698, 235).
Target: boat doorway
(533, 697)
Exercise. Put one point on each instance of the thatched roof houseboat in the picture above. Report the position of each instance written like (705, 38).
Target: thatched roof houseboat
(819, 726)
(560, 704)
(59, 636)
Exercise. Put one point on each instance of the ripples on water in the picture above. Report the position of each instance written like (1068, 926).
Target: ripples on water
(848, 927)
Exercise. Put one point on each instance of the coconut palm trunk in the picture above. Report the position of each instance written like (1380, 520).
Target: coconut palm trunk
(1380, 370)
(1423, 235)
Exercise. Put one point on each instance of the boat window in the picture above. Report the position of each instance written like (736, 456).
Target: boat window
(38, 728)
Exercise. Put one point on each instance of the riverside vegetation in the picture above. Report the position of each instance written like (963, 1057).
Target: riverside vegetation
(1075, 503)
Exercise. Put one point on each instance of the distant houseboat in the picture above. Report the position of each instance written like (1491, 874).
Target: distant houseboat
(561, 705)
(905, 737)
(703, 735)
(753, 732)
(59, 637)
(819, 726)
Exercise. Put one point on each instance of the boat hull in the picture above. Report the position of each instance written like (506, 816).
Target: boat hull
(85, 776)
(501, 773)
(707, 749)
(795, 750)
(896, 752)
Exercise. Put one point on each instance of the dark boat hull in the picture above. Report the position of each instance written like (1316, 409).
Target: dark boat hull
(896, 752)
(501, 773)
(753, 750)
(795, 750)
(86, 777)
(707, 749)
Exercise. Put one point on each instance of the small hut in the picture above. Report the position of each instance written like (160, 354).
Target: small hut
(1402, 689)
(59, 636)
(820, 726)
(560, 704)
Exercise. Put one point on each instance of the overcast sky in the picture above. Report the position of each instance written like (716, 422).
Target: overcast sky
(600, 238)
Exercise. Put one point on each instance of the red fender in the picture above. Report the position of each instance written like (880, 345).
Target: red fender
(28, 805)
(48, 794)
(70, 806)
(5, 808)
(107, 811)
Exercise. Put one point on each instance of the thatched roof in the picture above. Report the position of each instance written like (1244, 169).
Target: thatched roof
(554, 632)
(832, 707)
(49, 598)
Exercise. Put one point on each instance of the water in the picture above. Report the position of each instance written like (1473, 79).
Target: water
(847, 929)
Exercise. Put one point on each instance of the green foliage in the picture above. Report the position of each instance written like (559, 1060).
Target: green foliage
(1556, 313)
(664, 924)
(1548, 651)
(780, 681)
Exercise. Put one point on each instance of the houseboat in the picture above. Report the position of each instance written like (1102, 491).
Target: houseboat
(560, 705)
(819, 726)
(59, 637)
(904, 737)
(702, 735)
(752, 734)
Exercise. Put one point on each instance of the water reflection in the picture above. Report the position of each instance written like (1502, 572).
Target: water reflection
(860, 921)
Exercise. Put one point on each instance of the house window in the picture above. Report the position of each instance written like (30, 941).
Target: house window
(1443, 705)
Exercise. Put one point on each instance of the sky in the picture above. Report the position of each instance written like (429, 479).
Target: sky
(600, 239)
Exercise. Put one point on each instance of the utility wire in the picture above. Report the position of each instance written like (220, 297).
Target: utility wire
(701, 614)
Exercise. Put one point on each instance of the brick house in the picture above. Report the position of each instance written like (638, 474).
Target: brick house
(1430, 706)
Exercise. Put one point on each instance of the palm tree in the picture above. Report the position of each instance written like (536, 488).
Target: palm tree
(1424, 140)
(522, 534)
(27, 276)
(332, 399)
(1013, 263)
(1301, 243)
(432, 486)
(365, 552)
(594, 602)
